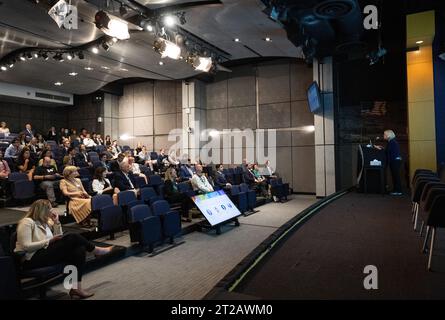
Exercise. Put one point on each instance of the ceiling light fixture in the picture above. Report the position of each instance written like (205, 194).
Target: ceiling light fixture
(161, 63)
(23, 58)
(105, 68)
(70, 56)
(58, 83)
(73, 74)
(95, 50)
(112, 26)
(36, 55)
(3, 68)
(89, 68)
(169, 21)
(237, 40)
(123, 69)
(419, 42)
(267, 39)
(167, 49)
(204, 64)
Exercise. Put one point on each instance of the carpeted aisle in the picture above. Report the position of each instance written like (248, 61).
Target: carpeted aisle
(325, 258)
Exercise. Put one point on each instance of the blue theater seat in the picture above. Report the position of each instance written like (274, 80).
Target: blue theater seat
(149, 195)
(144, 227)
(239, 198)
(251, 196)
(171, 220)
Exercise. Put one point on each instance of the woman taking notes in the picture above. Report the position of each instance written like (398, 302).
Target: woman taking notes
(40, 238)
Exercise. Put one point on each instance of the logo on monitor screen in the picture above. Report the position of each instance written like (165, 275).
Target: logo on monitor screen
(209, 212)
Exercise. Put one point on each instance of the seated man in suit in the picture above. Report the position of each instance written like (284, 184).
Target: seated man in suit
(82, 159)
(29, 133)
(199, 181)
(220, 178)
(70, 158)
(124, 179)
(187, 171)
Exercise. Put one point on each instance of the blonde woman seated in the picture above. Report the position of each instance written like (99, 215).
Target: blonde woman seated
(80, 201)
(4, 128)
(40, 238)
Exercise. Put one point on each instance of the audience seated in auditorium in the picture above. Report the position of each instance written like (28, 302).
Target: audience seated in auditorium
(269, 171)
(25, 163)
(89, 142)
(48, 179)
(108, 141)
(98, 140)
(187, 170)
(172, 158)
(47, 153)
(172, 194)
(33, 147)
(4, 128)
(124, 178)
(66, 144)
(29, 132)
(145, 159)
(101, 184)
(104, 162)
(220, 178)
(135, 169)
(79, 204)
(82, 159)
(115, 164)
(4, 174)
(40, 238)
(52, 135)
(70, 158)
(162, 160)
(199, 181)
(13, 150)
(64, 133)
(40, 141)
(23, 139)
(138, 148)
(114, 149)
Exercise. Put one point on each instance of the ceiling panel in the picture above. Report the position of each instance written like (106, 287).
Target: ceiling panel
(24, 24)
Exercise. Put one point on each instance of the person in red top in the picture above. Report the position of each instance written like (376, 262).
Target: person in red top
(4, 174)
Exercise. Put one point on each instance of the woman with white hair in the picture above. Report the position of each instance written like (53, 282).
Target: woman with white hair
(394, 160)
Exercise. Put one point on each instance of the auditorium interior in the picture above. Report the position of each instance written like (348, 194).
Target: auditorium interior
(222, 149)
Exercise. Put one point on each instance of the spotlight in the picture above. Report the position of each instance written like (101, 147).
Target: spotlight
(169, 21)
(58, 83)
(70, 56)
(95, 50)
(146, 24)
(23, 58)
(36, 55)
(11, 64)
(4, 68)
(201, 63)
(80, 55)
(167, 49)
(112, 26)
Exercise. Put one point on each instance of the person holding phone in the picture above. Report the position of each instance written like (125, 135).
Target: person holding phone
(40, 238)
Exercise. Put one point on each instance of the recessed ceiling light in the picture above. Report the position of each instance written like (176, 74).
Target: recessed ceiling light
(36, 55)
(69, 56)
(169, 21)
(58, 83)
(95, 50)
(4, 68)
(161, 63)
(105, 68)
(236, 40)
(419, 42)
(23, 58)
(73, 74)
(267, 39)
(123, 69)
(88, 68)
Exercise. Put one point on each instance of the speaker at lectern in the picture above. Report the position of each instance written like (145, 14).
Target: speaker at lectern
(370, 168)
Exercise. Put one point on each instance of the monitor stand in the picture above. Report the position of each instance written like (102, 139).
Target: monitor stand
(206, 225)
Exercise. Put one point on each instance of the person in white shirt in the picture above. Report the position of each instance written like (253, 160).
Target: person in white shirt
(101, 184)
(4, 129)
(88, 142)
(269, 171)
(199, 181)
(13, 150)
(136, 169)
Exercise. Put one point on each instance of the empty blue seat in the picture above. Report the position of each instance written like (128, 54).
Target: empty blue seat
(125, 197)
(23, 189)
(140, 182)
(17, 176)
(110, 219)
(239, 198)
(171, 220)
(101, 201)
(84, 173)
(144, 227)
(155, 181)
(251, 195)
(149, 195)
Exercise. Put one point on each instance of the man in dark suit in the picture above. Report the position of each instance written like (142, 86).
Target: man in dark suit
(29, 133)
(248, 176)
(186, 171)
(82, 159)
(124, 179)
(220, 178)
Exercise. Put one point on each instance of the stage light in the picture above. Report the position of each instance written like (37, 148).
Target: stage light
(58, 83)
(89, 68)
(161, 63)
(419, 42)
(201, 63)
(4, 68)
(237, 40)
(112, 26)
(11, 65)
(73, 74)
(36, 55)
(70, 56)
(95, 50)
(267, 39)
(22, 58)
(167, 49)
(169, 21)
